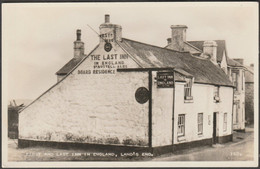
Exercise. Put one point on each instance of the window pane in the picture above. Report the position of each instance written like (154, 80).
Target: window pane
(181, 124)
(200, 123)
(187, 87)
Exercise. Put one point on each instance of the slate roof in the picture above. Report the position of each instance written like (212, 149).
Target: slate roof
(232, 62)
(69, 66)
(149, 56)
(221, 48)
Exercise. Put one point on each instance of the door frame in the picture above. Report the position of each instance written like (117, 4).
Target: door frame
(214, 127)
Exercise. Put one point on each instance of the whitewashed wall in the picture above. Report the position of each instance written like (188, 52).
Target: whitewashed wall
(162, 111)
(224, 106)
(92, 108)
(240, 96)
(202, 103)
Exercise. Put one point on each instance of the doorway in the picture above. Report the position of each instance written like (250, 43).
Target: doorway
(214, 137)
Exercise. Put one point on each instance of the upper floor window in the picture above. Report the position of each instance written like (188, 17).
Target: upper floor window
(187, 89)
(200, 123)
(181, 125)
(216, 93)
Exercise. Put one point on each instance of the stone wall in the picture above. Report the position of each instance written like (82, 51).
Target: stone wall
(102, 110)
(91, 107)
(162, 111)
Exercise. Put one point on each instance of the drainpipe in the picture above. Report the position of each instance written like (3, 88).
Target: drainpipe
(232, 114)
(173, 106)
(150, 110)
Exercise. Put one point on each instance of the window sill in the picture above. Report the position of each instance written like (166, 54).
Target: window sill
(188, 101)
(188, 97)
(200, 135)
(181, 139)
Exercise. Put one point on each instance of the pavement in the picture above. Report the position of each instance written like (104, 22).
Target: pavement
(241, 149)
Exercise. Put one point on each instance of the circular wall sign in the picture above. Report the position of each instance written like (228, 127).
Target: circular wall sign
(142, 95)
(108, 47)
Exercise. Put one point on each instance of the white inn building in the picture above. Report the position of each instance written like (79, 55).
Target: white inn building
(134, 96)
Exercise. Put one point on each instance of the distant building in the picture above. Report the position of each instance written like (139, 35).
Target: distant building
(249, 101)
(130, 94)
(13, 109)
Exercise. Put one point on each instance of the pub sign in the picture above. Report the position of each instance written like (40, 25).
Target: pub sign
(165, 79)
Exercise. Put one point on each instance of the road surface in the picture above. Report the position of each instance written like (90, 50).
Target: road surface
(240, 149)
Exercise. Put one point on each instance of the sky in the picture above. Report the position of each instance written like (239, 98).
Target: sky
(37, 38)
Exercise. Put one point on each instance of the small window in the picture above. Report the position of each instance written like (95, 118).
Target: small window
(200, 123)
(216, 93)
(181, 125)
(225, 122)
(187, 89)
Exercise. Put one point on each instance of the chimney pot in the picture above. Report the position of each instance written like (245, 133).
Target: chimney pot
(115, 31)
(107, 18)
(210, 49)
(179, 26)
(178, 37)
(78, 45)
(78, 35)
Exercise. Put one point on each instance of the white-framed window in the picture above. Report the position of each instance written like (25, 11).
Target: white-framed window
(200, 123)
(216, 93)
(181, 125)
(225, 122)
(187, 89)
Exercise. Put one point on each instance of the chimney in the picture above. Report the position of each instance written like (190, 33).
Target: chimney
(78, 46)
(178, 37)
(110, 32)
(169, 41)
(239, 60)
(210, 48)
(78, 35)
(107, 18)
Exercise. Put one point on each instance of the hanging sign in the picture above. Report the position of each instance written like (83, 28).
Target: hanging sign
(165, 80)
(142, 95)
